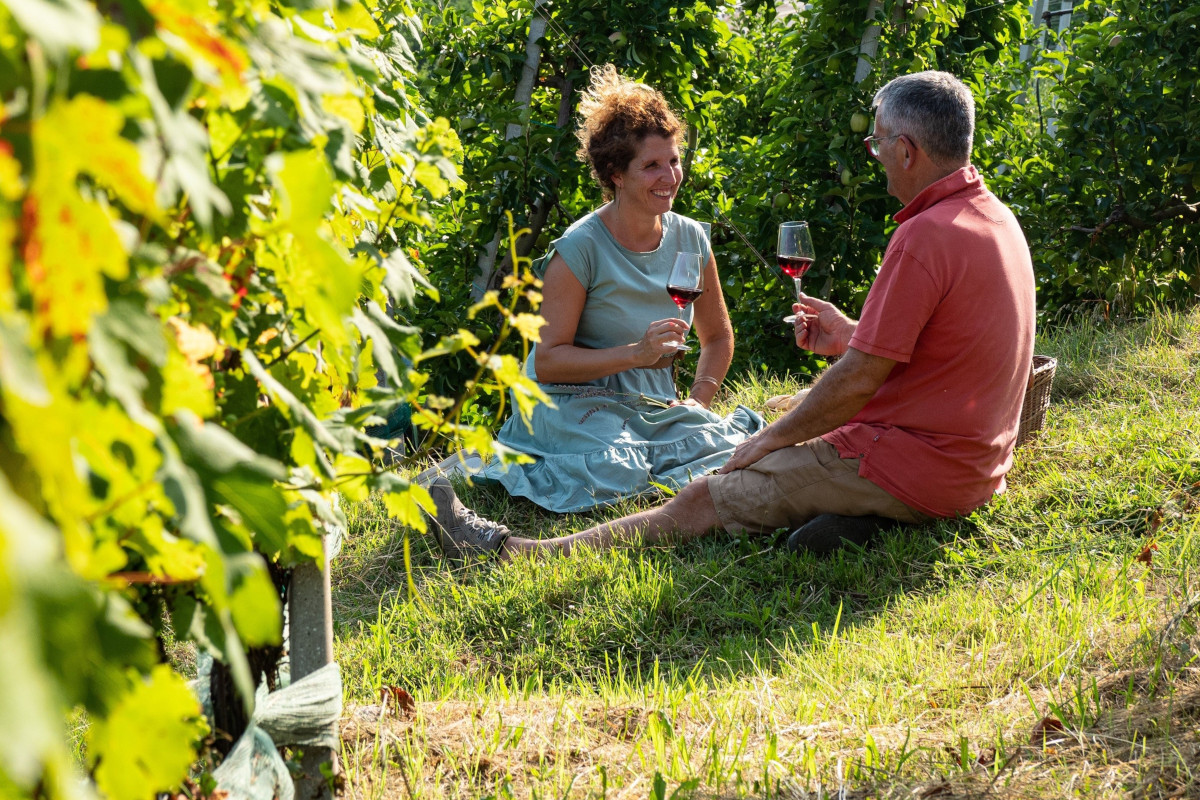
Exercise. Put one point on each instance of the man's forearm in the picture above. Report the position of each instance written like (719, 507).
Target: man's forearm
(841, 393)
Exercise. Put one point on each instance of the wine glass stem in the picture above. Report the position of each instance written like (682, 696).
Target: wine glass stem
(797, 282)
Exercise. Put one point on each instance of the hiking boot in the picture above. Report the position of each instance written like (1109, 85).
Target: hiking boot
(461, 533)
(828, 532)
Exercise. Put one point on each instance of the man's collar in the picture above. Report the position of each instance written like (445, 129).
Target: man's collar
(939, 190)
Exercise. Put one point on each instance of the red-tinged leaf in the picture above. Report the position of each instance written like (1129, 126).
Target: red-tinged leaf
(1046, 729)
(399, 700)
(1156, 519)
(112, 160)
(1147, 554)
(215, 49)
(69, 245)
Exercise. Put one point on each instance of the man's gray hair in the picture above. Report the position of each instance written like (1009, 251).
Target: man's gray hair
(935, 109)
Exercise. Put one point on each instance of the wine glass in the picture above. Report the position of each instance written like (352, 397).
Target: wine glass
(795, 254)
(685, 284)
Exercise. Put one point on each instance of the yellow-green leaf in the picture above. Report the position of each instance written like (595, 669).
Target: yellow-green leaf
(187, 385)
(404, 504)
(147, 743)
(529, 326)
(254, 603)
(355, 17)
(315, 276)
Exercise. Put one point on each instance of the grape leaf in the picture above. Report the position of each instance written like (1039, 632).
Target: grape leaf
(254, 601)
(147, 743)
(403, 500)
(60, 25)
(315, 276)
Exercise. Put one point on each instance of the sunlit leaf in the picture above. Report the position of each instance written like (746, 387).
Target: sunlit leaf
(314, 275)
(147, 743)
(180, 155)
(60, 25)
(254, 602)
(28, 698)
(403, 500)
(19, 372)
(402, 278)
(201, 39)
(529, 326)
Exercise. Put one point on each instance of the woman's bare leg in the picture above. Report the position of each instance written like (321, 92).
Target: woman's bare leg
(685, 516)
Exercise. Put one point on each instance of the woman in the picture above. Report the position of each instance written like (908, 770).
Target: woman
(612, 333)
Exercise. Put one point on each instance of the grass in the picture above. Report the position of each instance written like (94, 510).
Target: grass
(1043, 647)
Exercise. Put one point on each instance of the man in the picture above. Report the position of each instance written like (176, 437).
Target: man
(919, 417)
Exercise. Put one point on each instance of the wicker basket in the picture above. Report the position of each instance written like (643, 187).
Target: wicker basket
(1037, 398)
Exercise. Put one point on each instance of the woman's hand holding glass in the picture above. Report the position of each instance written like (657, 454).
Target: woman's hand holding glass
(661, 342)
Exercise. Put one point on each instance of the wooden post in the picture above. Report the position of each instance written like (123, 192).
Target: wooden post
(310, 647)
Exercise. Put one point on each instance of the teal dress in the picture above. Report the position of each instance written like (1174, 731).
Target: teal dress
(615, 437)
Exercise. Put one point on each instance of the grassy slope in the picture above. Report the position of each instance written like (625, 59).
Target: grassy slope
(726, 668)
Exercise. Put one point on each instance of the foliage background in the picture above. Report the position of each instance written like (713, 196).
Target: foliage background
(770, 99)
(221, 225)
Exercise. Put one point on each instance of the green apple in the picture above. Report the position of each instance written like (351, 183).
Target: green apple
(846, 176)
(618, 38)
(920, 12)
(782, 200)
(1116, 40)
(858, 122)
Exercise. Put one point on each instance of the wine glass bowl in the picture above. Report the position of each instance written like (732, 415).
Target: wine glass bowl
(685, 284)
(794, 253)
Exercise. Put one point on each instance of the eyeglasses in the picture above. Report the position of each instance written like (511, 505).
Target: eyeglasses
(872, 143)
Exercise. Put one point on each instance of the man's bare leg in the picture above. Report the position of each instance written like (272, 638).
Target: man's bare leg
(685, 516)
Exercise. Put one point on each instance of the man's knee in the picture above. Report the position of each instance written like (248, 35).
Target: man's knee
(692, 507)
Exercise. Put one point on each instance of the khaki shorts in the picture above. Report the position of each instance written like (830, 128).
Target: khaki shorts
(791, 486)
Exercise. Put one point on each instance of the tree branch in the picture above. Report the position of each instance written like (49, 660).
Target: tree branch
(1121, 217)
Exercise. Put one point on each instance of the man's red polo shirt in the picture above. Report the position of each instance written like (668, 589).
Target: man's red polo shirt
(953, 304)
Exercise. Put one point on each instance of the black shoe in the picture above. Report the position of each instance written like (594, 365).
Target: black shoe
(828, 532)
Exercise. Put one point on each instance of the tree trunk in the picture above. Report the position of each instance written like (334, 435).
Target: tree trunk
(869, 45)
(543, 205)
(533, 56)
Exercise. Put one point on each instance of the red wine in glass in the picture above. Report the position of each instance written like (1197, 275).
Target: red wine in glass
(795, 254)
(685, 283)
(794, 266)
(682, 296)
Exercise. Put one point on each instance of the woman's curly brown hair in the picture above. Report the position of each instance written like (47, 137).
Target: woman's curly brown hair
(617, 115)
